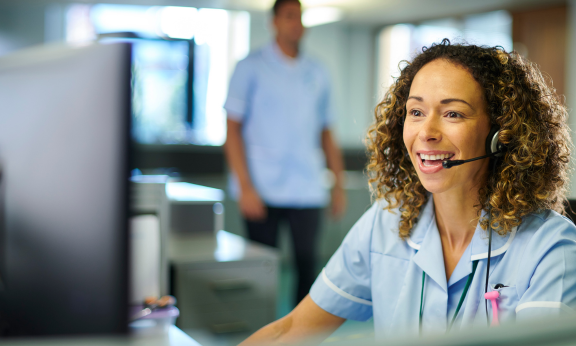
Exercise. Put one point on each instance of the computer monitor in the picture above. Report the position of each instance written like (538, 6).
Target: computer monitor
(64, 163)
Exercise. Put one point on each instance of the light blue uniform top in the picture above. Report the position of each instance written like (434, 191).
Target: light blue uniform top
(283, 105)
(376, 274)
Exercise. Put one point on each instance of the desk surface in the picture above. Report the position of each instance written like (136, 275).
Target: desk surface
(174, 337)
(220, 247)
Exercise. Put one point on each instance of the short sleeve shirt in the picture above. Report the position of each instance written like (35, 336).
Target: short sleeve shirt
(376, 274)
(283, 105)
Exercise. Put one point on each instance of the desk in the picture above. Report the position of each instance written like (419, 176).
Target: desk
(174, 337)
(224, 283)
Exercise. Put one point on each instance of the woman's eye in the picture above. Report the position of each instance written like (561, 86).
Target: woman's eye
(416, 113)
(453, 115)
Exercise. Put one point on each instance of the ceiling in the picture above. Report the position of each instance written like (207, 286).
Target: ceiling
(376, 12)
(395, 11)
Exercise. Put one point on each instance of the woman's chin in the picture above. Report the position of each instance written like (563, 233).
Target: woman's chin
(435, 187)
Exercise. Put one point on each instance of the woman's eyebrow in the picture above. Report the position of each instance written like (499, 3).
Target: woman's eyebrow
(446, 101)
(417, 98)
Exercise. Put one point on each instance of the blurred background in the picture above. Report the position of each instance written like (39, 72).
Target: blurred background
(184, 52)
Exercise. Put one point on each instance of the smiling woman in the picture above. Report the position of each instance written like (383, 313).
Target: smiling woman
(418, 260)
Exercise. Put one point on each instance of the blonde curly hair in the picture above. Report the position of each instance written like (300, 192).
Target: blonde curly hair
(532, 176)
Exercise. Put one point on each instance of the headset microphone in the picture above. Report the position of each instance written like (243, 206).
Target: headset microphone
(493, 149)
(452, 163)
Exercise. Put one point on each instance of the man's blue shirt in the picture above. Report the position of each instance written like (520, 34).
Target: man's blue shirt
(283, 105)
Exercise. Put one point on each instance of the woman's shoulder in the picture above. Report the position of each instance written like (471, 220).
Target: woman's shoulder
(380, 216)
(542, 255)
(548, 223)
(375, 217)
(541, 232)
(377, 226)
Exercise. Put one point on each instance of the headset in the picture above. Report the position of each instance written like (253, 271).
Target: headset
(495, 149)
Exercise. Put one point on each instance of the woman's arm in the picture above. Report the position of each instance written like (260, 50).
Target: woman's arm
(307, 322)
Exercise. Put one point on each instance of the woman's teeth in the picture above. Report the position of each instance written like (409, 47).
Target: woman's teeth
(435, 157)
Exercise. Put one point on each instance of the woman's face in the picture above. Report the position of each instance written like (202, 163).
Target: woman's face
(446, 119)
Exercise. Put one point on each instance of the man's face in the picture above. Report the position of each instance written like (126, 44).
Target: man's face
(288, 22)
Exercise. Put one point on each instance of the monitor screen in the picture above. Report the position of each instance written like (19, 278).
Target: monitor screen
(162, 114)
(166, 91)
(64, 163)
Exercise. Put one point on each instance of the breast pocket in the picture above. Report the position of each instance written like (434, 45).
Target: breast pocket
(388, 277)
(507, 303)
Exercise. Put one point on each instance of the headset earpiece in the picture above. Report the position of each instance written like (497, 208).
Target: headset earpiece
(493, 145)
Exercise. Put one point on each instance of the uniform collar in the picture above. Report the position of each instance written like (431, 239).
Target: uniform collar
(424, 219)
(426, 239)
(274, 52)
(500, 244)
(429, 257)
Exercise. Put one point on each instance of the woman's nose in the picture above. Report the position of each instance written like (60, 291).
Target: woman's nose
(430, 130)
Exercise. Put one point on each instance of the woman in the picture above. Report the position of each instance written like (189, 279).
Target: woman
(418, 259)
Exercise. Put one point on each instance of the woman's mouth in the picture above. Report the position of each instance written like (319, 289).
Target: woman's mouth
(434, 160)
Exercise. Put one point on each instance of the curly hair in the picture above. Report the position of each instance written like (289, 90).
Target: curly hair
(532, 175)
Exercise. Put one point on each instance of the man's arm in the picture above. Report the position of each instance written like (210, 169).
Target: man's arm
(335, 163)
(307, 322)
(251, 206)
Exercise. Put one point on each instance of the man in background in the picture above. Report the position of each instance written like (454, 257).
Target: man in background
(279, 142)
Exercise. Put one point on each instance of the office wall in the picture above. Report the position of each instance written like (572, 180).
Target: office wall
(347, 51)
(542, 32)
